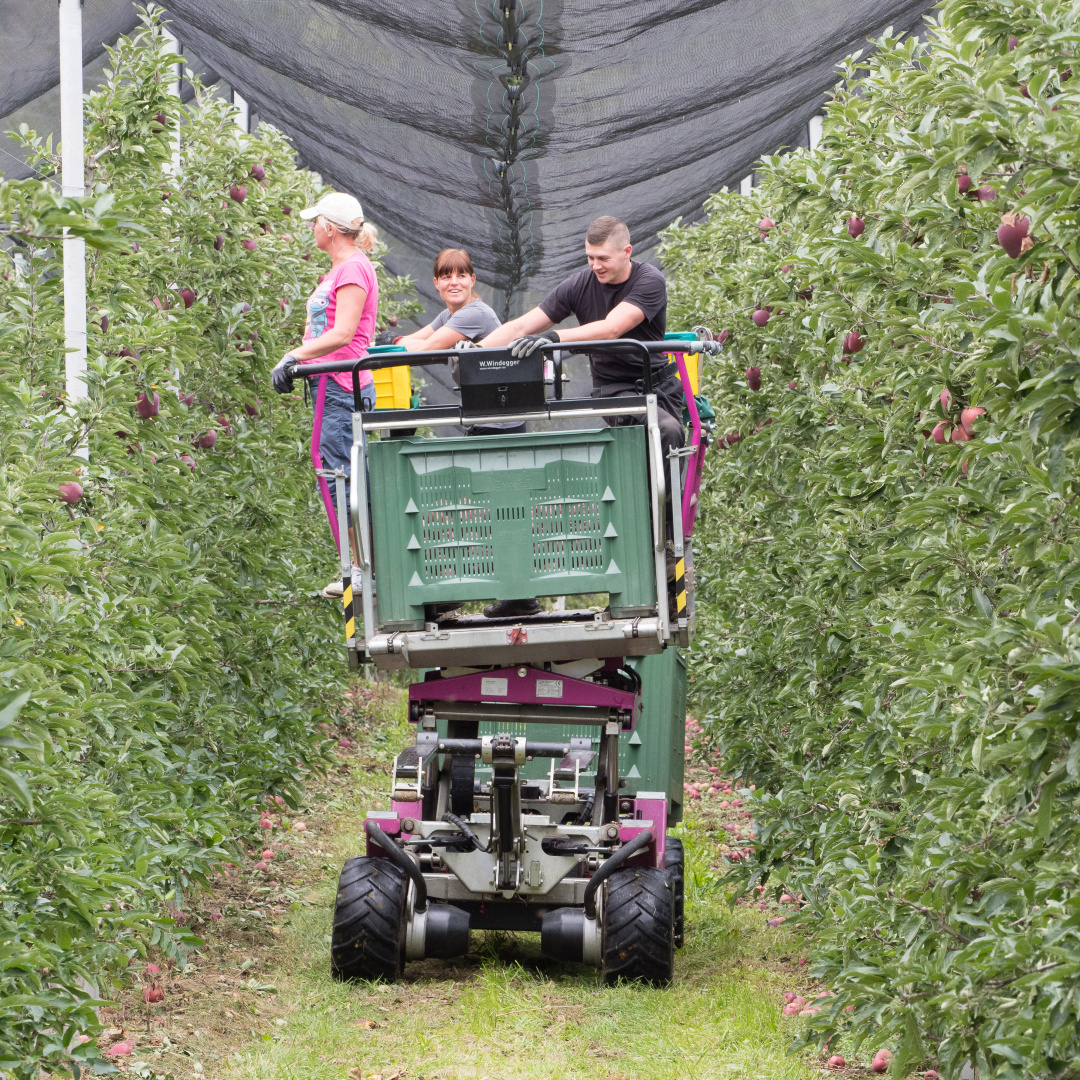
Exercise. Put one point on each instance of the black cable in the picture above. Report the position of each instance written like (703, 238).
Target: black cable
(401, 861)
(610, 865)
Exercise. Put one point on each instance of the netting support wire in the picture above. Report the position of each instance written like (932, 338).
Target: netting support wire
(73, 181)
(172, 45)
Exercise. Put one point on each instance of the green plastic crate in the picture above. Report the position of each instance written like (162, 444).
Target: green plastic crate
(511, 516)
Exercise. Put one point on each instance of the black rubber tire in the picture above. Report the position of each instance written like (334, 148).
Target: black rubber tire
(637, 941)
(675, 865)
(368, 938)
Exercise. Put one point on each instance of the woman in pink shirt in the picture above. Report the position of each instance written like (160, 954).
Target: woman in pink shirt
(340, 324)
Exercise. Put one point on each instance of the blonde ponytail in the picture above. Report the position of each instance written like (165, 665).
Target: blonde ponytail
(362, 233)
(367, 237)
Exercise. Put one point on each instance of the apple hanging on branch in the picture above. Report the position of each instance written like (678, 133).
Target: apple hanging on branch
(1012, 235)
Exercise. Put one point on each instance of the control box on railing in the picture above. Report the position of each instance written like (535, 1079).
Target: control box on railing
(510, 517)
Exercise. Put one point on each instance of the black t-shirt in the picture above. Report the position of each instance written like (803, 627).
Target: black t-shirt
(585, 297)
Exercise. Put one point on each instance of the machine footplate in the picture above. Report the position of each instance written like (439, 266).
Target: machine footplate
(516, 641)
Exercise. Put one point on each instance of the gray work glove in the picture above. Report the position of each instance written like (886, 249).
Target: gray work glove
(280, 376)
(527, 345)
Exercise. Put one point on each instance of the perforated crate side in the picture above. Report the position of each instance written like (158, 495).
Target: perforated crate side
(511, 516)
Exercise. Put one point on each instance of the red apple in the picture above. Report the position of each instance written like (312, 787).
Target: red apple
(147, 407)
(188, 297)
(760, 317)
(942, 432)
(931, 1074)
(836, 1062)
(186, 399)
(970, 415)
(71, 492)
(253, 410)
(258, 172)
(855, 227)
(153, 994)
(219, 242)
(946, 400)
(765, 224)
(881, 1061)
(723, 336)
(853, 343)
(1024, 91)
(120, 1049)
(964, 184)
(250, 245)
(793, 385)
(986, 193)
(1012, 232)
(260, 865)
(1013, 42)
(753, 378)
(207, 441)
(238, 193)
(125, 351)
(286, 209)
(104, 323)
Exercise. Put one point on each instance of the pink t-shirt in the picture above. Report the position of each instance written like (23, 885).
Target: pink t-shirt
(322, 306)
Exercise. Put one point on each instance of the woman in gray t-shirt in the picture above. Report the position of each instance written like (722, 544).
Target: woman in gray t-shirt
(466, 317)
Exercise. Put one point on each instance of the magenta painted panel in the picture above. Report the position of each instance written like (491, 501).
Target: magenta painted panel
(534, 687)
(654, 810)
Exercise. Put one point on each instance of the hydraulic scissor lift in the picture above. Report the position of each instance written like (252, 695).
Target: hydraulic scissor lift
(546, 766)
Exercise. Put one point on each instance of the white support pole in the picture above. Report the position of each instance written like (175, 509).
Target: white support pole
(746, 185)
(243, 117)
(172, 44)
(814, 133)
(73, 181)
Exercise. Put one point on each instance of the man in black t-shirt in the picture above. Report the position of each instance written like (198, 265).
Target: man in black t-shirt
(613, 297)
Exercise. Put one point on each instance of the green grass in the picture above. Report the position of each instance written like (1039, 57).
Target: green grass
(506, 1012)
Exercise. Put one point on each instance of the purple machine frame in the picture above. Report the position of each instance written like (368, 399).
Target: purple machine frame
(525, 686)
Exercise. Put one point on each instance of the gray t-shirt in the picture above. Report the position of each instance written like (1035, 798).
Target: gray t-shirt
(474, 321)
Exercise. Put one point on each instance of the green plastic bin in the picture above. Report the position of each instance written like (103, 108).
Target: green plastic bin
(511, 516)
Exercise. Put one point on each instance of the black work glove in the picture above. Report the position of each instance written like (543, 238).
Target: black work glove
(387, 337)
(527, 345)
(280, 376)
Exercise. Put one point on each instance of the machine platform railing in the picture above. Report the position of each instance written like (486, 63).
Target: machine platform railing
(410, 644)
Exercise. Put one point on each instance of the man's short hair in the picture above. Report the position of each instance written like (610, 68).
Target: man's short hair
(608, 230)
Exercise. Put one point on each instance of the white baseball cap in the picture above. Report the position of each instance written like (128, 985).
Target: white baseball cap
(338, 208)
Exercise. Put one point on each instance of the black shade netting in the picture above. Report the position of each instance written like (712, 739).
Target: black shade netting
(505, 127)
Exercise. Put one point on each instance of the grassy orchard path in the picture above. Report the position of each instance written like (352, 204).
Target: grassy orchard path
(257, 1003)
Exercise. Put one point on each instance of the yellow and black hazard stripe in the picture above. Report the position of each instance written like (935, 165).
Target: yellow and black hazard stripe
(350, 617)
(680, 587)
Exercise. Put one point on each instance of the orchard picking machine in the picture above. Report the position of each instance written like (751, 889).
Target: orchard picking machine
(547, 763)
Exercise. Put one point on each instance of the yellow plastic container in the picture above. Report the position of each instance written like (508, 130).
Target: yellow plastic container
(393, 386)
(693, 360)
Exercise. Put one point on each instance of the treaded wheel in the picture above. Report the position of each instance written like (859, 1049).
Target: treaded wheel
(368, 939)
(675, 865)
(638, 928)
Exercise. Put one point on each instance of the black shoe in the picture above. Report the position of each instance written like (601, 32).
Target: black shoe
(513, 609)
